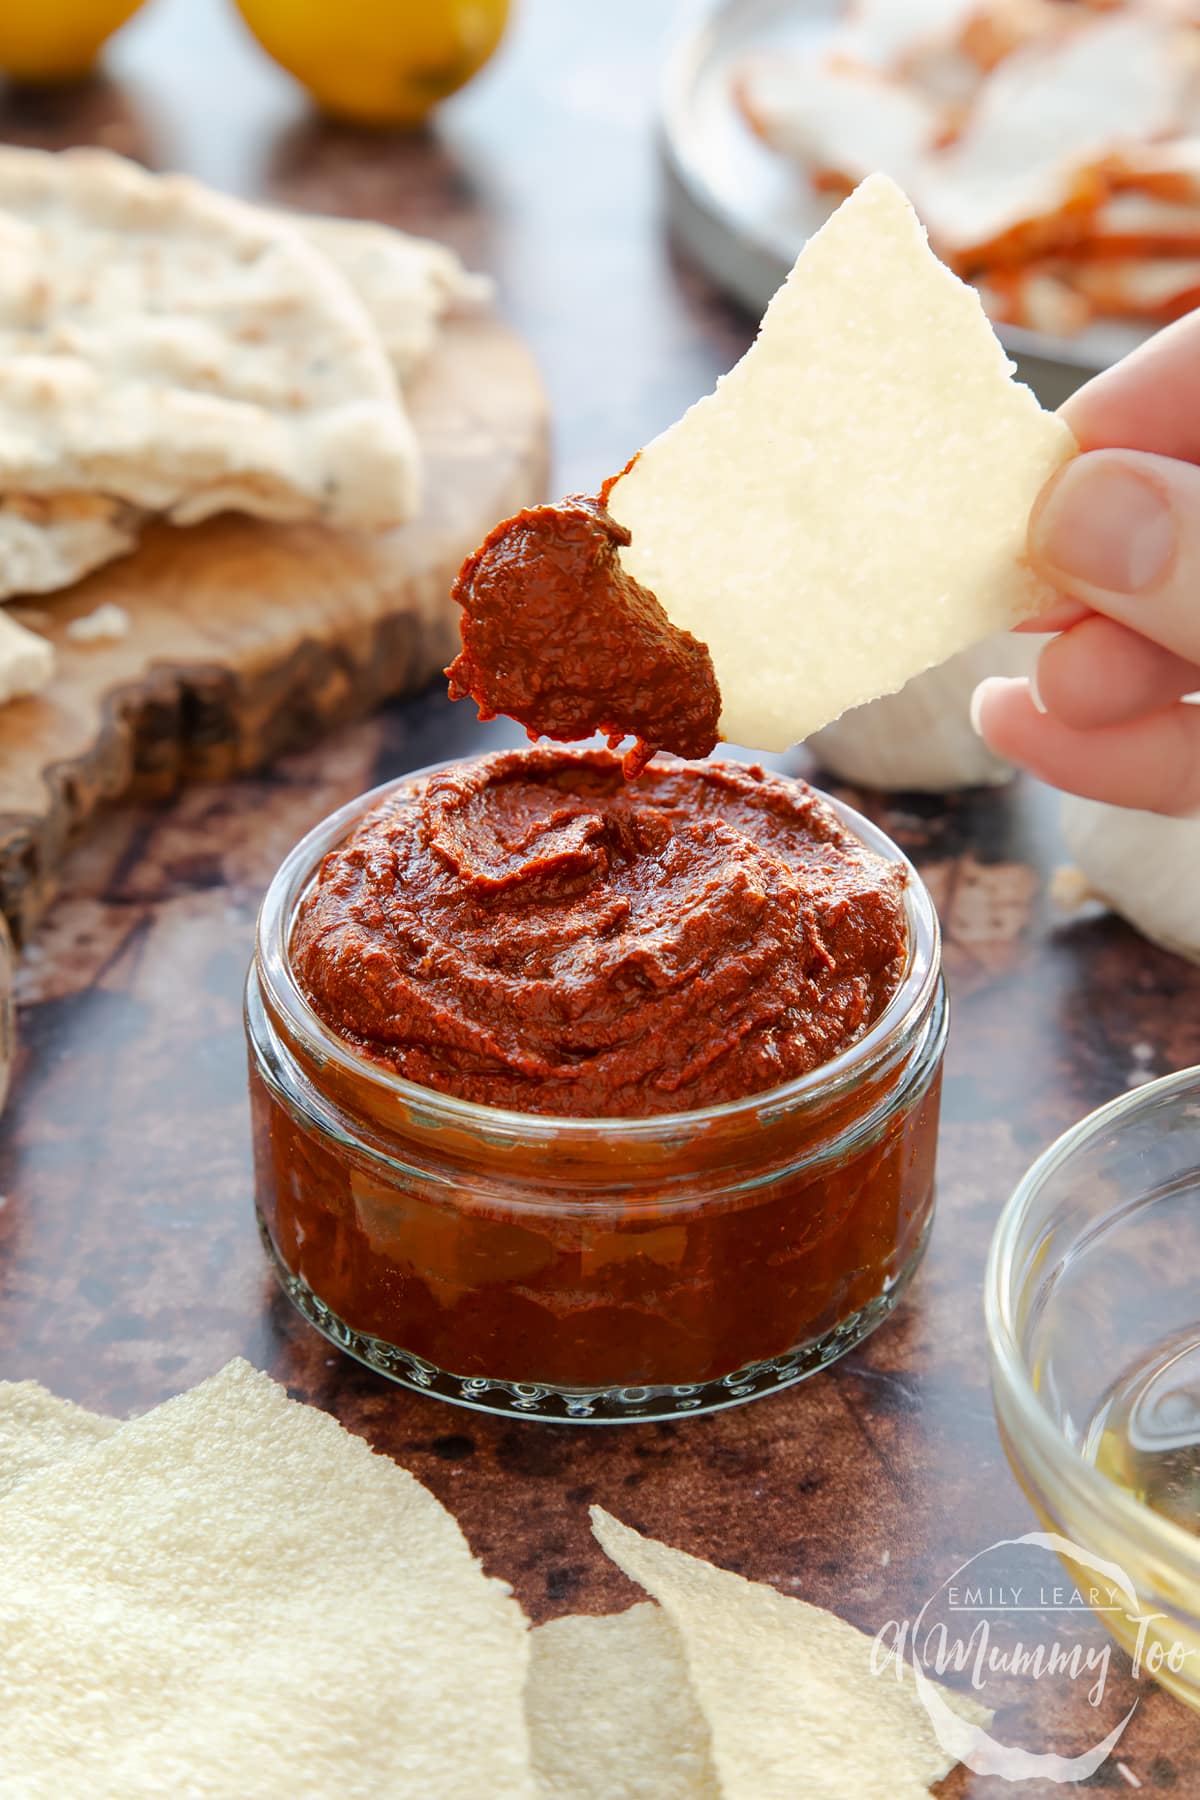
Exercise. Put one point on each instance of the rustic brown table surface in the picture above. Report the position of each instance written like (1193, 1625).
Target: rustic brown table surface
(129, 1262)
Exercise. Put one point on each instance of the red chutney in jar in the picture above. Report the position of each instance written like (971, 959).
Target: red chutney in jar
(529, 932)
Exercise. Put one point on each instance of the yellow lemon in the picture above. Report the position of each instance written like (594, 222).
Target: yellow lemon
(378, 62)
(56, 40)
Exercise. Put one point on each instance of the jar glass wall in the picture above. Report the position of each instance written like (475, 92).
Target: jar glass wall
(591, 1269)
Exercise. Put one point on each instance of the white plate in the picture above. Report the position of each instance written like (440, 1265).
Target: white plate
(743, 210)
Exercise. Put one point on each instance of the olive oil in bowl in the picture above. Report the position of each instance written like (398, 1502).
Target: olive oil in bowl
(1145, 1434)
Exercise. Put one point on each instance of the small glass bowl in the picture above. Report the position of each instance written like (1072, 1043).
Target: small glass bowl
(1092, 1297)
(590, 1269)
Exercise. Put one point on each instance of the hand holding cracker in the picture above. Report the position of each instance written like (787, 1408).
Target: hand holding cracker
(1117, 534)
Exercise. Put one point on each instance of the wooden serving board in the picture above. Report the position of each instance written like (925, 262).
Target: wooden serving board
(247, 639)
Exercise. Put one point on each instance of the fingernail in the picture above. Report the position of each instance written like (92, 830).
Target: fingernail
(1103, 526)
(977, 699)
(1035, 692)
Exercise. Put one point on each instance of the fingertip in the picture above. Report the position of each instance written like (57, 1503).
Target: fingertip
(1059, 614)
(990, 696)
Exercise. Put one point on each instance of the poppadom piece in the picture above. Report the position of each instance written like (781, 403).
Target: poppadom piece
(232, 1594)
(612, 1712)
(787, 1688)
(38, 1429)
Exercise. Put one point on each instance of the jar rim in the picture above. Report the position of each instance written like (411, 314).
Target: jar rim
(906, 1007)
(1003, 1289)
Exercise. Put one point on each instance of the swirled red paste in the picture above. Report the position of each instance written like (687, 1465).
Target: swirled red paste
(530, 931)
(556, 635)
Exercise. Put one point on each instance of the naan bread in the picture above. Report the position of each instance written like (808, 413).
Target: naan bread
(26, 660)
(406, 283)
(170, 347)
(48, 541)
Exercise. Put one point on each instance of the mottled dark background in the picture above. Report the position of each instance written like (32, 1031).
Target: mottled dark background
(129, 1263)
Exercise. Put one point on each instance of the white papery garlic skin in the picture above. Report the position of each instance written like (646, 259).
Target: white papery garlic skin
(922, 738)
(1145, 866)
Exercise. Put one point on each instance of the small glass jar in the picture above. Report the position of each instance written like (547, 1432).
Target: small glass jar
(1093, 1320)
(580, 1269)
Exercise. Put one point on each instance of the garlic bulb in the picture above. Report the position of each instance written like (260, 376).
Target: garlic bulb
(1144, 866)
(922, 738)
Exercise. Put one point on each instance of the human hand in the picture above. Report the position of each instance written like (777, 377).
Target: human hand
(1117, 533)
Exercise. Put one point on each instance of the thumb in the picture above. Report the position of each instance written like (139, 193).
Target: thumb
(1119, 530)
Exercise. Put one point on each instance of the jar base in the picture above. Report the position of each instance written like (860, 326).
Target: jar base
(585, 1405)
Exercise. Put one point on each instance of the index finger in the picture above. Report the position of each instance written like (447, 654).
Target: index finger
(1148, 401)
(1060, 615)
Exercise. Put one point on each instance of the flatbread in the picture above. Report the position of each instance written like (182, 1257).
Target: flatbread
(48, 541)
(850, 506)
(232, 1595)
(167, 346)
(26, 660)
(786, 1687)
(37, 1430)
(407, 284)
(612, 1715)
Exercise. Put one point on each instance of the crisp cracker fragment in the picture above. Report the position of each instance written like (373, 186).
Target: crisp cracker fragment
(1134, 225)
(38, 1429)
(1044, 124)
(1155, 287)
(612, 1713)
(844, 120)
(105, 624)
(849, 507)
(177, 349)
(1170, 171)
(786, 1687)
(242, 1598)
(26, 660)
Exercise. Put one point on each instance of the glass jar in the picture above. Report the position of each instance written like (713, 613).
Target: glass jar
(1093, 1324)
(595, 1270)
